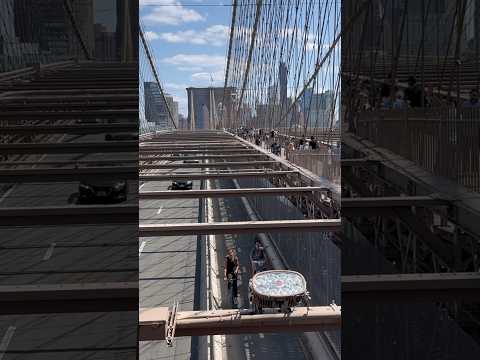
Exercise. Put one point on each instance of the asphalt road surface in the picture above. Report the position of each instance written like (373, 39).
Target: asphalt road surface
(66, 254)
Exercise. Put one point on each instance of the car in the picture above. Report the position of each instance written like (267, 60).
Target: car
(181, 185)
(191, 161)
(121, 136)
(102, 191)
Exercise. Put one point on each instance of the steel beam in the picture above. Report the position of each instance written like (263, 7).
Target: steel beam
(50, 115)
(153, 322)
(151, 230)
(204, 176)
(68, 129)
(220, 193)
(198, 151)
(69, 148)
(68, 174)
(209, 165)
(68, 298)
(67, 162)
(199, 157)
(392, 201)
(412, 287)
(358, 162)
(69, 215)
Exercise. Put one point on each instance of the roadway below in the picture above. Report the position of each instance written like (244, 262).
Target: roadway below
(261, 346)
(66, 254)
(169, 270)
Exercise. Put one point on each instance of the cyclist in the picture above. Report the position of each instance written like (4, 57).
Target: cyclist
(232, 268)
(257, 256)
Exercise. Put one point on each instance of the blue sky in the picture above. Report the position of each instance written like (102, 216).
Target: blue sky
(189, 40)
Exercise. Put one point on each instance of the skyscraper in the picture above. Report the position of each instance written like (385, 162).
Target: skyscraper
(155, 107)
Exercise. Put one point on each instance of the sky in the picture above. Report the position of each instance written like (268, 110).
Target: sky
(189, 39)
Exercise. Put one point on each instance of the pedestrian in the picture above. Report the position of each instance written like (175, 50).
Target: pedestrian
(413, 94)
(232, 267)
(313, 143)
(301, 143)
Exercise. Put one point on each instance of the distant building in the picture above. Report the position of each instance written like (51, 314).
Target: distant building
(317, 108)
(155, 107)
(205, 107)
(283, 81)
(182, 122)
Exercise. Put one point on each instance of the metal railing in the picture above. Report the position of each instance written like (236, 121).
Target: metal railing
(443, 141)
(320, 163)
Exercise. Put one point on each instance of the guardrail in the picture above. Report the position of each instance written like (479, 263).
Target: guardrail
(443, 141)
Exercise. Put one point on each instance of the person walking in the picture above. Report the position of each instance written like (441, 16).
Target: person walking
(231, 269)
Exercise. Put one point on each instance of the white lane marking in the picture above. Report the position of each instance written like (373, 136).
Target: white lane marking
(49, 252)
(261, 335)
(141, 186)
(160, 210)
(6, 340)
(247, 350)
(142, 245)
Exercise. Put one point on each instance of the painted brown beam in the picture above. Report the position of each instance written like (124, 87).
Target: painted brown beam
(69, 215)
(198, 151)
(199, 157)
(153, 322)
(69, 148)
(68, 298)
(236, 227)
(204, 176)
(68, 174)
(430, 287)
(192, 147)
(209, 165)
(392, 201)
(220, 193)
(67, 162)
(68, 129)
(37, 115)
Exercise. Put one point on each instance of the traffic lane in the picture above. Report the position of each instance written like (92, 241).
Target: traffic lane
(167, 266)
(259, 346)
(55, 194)
(69, 336)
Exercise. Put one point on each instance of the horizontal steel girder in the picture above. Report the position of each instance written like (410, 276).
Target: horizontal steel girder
(200, 157)
(150, 230)
(203, 176)
(220, 193)
(181, 144)
(392, 201)
(68, 174)
(199, 151)
(69, 215)
(205, 165)
(69, 129)
(163, 149)
(69, 148)
(67, 162)
(428, 287)
(100, 114)
(153, 322)
(68, 298)
(358, 162)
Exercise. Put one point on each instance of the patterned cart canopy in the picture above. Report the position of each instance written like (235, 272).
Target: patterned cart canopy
(275, 287)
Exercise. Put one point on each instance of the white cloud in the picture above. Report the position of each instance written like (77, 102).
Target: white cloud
(172, 12)
(196, 60)
(151, 35)
(175, 86)
(216, 76)
(216, 35)
(189, 68)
